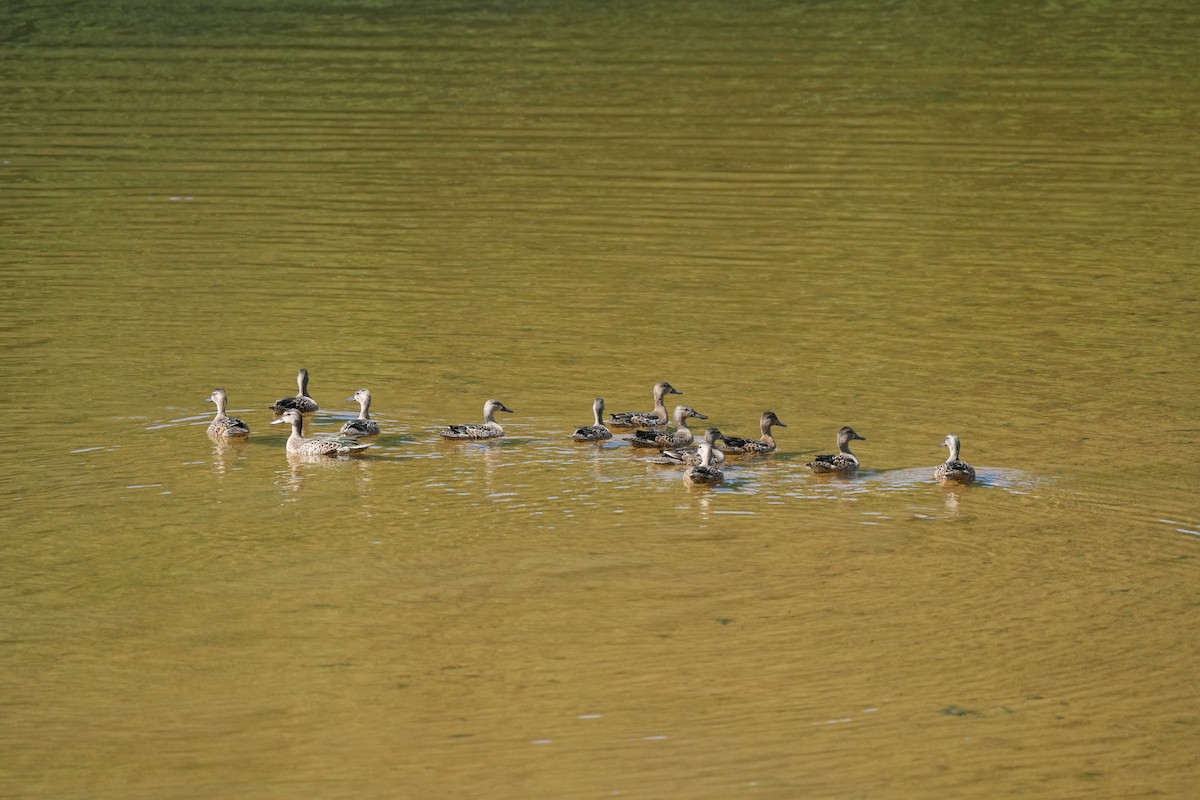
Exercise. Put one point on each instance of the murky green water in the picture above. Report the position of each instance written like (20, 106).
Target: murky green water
(913, 218)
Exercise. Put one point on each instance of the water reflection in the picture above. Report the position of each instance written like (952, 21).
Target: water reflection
(303, 468)
(831, 210)
(226, 453)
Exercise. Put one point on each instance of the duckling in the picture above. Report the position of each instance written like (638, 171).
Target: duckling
(953, 470)
(690, 456)
(334, 446)
(651, 419)
(223, 426)
(301, 402)
(490, 429)
(680, 437)
(597, 432)
(364, 425)
(842, 462)
(704, 472)
(765, 444)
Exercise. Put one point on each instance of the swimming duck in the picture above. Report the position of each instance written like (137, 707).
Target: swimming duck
(597, 432)
(651, 419)
(301, 402)
(680, 437)
(490, 429)
(223, 426)
(704, 472)
(953, 470)
(364, 425)
(842, 462)
(764, 444)
(690, 456)
(333, 446)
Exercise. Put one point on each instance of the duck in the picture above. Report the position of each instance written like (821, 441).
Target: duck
(490, 429)
(597, 432)
(704, 472)
(222, 426)
(690, 456)
(764, 444)
(842, 462)
(333, 446)
(681, 437)
(364, 425)
(650, 419)
(301, 402)
(953, 470)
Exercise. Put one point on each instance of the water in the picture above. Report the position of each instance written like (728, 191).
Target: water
(912, 218)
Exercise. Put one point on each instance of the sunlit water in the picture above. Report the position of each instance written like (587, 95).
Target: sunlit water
(912, 218)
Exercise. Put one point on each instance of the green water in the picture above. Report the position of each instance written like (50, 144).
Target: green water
(913, 218)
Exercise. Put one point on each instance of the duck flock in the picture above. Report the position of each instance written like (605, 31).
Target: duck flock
(678, 447)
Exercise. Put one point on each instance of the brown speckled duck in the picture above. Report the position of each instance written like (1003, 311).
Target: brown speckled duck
(704, 472)
(952, 470)
(489, 429)
(764, 444)
(364, 425)
(842, 462)
(690, 456)
(333, 446)
(223, 427)
(301, 402)
(597, 432)
(681, 437)
(649, 419)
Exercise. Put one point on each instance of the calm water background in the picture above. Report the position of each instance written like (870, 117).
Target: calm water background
(912, 217)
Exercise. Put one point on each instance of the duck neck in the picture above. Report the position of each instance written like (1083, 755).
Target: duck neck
(954, 448)
(364, 408)
(221, 403)
(298, 428)
(302, 382)
(660, 408)
(598, 413)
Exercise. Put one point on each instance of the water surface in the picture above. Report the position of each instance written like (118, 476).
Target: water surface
(914, 218)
